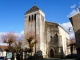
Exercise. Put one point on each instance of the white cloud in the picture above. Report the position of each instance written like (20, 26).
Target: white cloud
(73, 6)
(66, 26)
(74, 12)
(4, 44)
(20, 36)
(22, 32)
(2, 33)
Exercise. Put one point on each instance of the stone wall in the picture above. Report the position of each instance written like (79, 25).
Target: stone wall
(52, 38)
(29, 28)
(40, 30)
(65, 37)
(46, 33)
(75, 20)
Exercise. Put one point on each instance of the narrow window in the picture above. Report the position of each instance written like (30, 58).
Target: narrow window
(35, 17)
(32, 17)
(29, 18)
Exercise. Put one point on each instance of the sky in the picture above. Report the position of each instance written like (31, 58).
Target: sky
(12, 13)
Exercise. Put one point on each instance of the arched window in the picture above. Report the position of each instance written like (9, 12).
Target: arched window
(55, 39)
(34, 16)
(51, 53)
(29, 18)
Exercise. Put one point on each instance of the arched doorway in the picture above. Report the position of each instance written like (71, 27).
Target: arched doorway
(51, 53)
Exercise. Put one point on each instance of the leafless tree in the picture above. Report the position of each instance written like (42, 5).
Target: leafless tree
(9, 38)
(30, 38)
(17, 46)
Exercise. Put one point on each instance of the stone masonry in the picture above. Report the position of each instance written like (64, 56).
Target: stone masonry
(49, 35)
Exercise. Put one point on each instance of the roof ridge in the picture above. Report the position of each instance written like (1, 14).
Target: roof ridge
(33, 9)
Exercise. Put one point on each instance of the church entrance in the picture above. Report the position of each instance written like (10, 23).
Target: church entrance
(51, 53)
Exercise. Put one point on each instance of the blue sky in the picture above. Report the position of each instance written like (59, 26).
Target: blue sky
(12, 12)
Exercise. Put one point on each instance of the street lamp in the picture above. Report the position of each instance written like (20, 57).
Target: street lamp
(70, 29)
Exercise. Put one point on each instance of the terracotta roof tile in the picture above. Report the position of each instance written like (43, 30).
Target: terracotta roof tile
(3, 47)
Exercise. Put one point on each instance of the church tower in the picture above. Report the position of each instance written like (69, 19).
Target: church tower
(35, 25)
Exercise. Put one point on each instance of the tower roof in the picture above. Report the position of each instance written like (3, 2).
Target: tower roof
(33, 9)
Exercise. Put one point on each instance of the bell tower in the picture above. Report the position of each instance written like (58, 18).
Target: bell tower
(35, 23)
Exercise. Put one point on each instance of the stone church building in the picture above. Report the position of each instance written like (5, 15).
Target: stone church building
(52, 38)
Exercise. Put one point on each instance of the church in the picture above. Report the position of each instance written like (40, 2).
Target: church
(51, 38)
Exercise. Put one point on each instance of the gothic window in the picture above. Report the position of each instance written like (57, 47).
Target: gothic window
(34, 16)
(55, 39)
(29, 18)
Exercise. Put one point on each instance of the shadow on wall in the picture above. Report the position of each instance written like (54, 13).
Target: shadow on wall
(54, 40)
(53, 43)
(77, 36)
(38, 54)
(61, 53)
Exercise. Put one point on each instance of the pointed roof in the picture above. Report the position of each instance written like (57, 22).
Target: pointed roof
(33, 9)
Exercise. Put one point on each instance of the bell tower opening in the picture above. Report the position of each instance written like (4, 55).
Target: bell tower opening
(34, 16)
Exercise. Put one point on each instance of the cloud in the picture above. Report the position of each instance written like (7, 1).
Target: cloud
(74, 12)
(20, 36)
(22, 32)
(66, 26)
(73, 6)
(4, 44)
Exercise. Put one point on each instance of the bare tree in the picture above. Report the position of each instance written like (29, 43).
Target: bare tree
(17, 46)
(30, 38)
(9, 38)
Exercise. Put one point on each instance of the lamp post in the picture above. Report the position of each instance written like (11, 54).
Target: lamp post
(70, 29)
